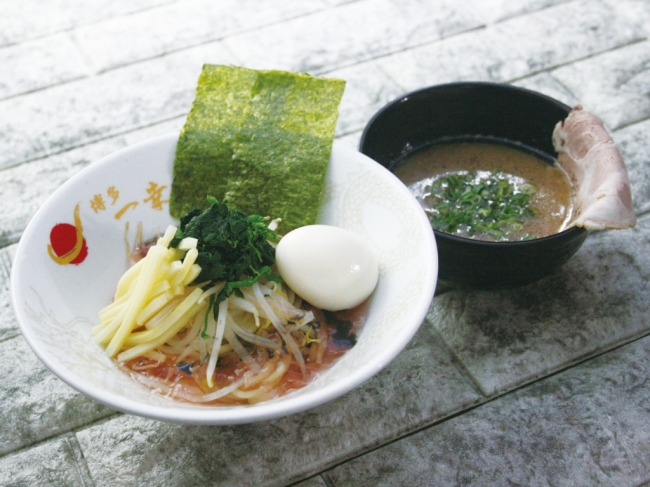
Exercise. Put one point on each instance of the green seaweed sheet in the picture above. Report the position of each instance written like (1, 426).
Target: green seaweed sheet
(259, 140)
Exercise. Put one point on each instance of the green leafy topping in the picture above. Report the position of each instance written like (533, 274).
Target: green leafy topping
(258, 140)
(232, 246)
(204, 330)
(487, 207)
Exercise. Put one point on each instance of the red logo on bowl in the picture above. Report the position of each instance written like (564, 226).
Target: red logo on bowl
(67, 243)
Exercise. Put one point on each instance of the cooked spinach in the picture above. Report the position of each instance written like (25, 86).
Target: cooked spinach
(232, 246)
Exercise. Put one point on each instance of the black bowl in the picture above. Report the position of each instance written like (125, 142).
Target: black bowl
(485, 111)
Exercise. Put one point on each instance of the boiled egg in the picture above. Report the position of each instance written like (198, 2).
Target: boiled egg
(329, 267)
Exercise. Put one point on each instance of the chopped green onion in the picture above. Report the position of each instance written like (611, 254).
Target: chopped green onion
(473, 206)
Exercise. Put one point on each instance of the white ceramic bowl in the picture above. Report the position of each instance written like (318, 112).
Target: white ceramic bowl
(56, 305)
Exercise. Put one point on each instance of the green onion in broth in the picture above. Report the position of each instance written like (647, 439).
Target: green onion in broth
(481, 204)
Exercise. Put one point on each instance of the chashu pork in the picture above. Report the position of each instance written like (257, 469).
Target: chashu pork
(601, 188)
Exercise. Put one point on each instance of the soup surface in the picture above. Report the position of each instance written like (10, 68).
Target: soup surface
(487, 190)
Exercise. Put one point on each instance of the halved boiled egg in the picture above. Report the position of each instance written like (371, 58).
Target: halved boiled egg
(329, 267)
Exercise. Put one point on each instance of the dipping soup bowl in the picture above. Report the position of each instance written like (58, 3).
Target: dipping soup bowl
(484, 112)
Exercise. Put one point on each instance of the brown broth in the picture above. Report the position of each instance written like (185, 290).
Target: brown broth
(551, 201)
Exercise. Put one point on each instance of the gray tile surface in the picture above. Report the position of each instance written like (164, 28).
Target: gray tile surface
(30, 19)
(515, 48)
(598, 300)
(350, 140)
(587, 426)
(418, 388)
(367, 89)
(57, 464)
(8, 325)
(546, 84)
(492, 11)
(351, 33)
(637, 11)
(87, 110)
(35, 404)
(612, 84)
(35, 65)
(634, 145)
(150, 33)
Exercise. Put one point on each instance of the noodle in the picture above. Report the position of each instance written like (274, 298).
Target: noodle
(188, 343)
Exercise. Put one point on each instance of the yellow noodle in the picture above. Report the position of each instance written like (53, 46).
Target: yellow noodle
(128, 277)
(104, 334)
(152, 344)
(192, 347)
(276, 376)
(154, 306)
(163, 313)
(192, 333)
(192, 274)
(252, 394)
(109, 312)
(186, 266)
(254, 379)
(148, 277)
(167, 237)
(171, 321)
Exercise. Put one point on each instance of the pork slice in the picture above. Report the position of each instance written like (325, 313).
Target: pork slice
(601, 188)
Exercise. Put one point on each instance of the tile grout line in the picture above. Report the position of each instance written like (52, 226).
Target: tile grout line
(80, 460)
(454, 359)
(483, 26)
(102, 138)
(406, 433)
(487, 400)
(362, 61)
(9, 334)
(70, 33)
(85, 473)
(87, 58)
(325, 480)
(37, 90)
(220, 39)
(76, 26)
(62, 435)
(325, 6)
(548, 70)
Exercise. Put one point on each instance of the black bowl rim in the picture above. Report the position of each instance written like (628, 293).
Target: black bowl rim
(419, 91)
(568, 233)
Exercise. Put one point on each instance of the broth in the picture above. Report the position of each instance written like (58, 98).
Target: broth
(337, 332)
(269, 373)
(549, 205)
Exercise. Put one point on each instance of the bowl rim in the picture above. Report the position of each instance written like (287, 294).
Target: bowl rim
(571, 232)
(209, 415)
(477, 84)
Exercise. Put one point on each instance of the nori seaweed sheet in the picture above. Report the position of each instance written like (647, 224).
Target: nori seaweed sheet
(259, 140)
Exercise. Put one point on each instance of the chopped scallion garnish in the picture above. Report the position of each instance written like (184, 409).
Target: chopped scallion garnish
(475, 206)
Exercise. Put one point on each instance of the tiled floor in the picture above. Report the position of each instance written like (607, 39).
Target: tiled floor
(544, 385)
